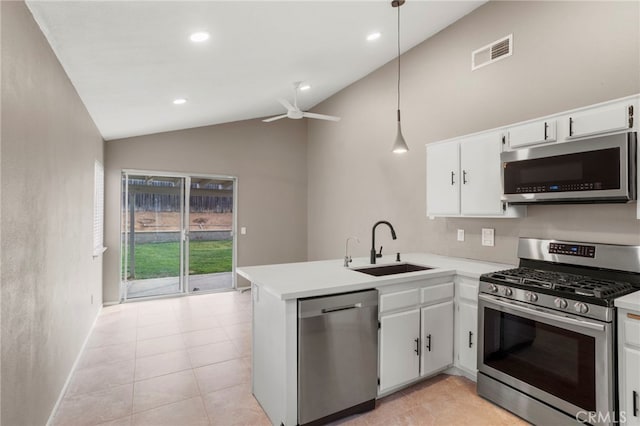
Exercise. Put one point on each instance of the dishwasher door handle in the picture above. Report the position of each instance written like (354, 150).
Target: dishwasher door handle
(341, 308)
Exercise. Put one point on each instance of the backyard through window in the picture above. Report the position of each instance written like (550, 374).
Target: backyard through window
(176, 230)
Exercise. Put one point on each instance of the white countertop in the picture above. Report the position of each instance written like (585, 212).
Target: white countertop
(630, 301)
(307, 279)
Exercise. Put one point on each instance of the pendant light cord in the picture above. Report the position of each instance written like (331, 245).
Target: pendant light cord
(398, 61)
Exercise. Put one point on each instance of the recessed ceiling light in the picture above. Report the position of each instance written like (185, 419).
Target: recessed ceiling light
(305, 87)
(373, 36)
(199, 37)
(179, 101)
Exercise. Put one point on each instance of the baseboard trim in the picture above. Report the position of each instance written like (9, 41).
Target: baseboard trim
(457, 371)
(73, 370)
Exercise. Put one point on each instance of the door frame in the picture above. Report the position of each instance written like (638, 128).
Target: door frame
(184, 248)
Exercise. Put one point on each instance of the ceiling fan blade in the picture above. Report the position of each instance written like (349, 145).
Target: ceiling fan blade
(277, 117)
(320, 116)
(287, 105)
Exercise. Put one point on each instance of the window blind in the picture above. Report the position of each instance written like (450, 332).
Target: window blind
(98, 209)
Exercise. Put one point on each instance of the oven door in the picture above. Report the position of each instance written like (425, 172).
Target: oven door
(564, 361)
(595, 170)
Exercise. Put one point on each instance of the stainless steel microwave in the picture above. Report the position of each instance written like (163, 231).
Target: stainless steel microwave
(597, 170)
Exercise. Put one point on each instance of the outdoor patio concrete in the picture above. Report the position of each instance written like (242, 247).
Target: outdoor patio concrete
(170, 285)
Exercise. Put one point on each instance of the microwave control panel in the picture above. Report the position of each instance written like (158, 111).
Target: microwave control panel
(559, 187)
(579, 250)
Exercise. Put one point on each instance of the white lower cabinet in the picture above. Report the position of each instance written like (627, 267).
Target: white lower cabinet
(399, 338)
(629, 366)
(416, 336)
(630, 395)
(468, 336)
(436, 336)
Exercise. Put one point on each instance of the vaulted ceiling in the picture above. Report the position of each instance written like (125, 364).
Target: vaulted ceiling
(129, 60)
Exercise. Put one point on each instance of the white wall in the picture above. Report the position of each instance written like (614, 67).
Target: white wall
(48, 277)
(566, 55)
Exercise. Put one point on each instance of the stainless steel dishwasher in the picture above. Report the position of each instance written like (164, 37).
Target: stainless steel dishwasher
(337, 356)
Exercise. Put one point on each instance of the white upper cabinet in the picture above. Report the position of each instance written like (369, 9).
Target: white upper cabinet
(600, 120)
(443, 179)
(464, 178)
(533, 133)
(464, 175)
(594, 120)
(481, 187)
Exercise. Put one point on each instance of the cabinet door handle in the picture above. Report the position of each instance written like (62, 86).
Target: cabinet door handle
(464, 176)
(452, 176)
(570, 126)
(635, 404)
(417, 349)
(546, 128)
(470, 339)
(429, 343)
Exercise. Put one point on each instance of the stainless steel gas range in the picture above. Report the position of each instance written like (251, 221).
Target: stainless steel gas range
(546, 329)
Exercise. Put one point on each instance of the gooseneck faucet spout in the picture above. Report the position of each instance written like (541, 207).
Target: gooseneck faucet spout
(373, 240)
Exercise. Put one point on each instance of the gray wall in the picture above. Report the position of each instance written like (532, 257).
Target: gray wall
(49, 145)
(566, 55)
(269, 161)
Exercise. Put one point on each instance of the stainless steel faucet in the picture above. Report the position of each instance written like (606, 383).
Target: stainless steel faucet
(373, 240)
(347, 257)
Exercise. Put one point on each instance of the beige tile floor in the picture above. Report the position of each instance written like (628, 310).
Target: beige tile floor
(186, 361)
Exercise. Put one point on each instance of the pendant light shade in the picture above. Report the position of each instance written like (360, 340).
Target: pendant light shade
(400, 145)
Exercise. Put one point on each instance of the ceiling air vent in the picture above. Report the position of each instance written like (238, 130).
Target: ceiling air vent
(492, 52)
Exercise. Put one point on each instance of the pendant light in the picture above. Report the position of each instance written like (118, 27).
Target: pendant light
(399, 146)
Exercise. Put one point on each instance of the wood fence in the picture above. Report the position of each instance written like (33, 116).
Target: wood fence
(166, 197)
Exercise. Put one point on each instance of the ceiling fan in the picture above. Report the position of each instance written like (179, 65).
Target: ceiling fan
(294, 112)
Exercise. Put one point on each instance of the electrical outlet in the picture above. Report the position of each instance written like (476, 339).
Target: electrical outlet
(460, 234)
(488, 237)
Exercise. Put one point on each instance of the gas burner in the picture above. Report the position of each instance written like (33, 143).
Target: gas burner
(562, 283)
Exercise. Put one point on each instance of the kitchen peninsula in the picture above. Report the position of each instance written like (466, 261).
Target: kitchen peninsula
(450, 286)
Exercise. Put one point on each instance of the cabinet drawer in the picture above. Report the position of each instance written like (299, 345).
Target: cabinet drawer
(400, 299)
(468, 289)
(436, 293)
(632, 329)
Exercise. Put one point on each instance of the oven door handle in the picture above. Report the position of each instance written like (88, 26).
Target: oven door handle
(543, 314)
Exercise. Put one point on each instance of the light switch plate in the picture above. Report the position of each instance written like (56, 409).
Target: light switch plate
(488, 237)
(460, 234)
(243, 230)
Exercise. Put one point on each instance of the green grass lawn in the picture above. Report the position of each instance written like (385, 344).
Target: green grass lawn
(156, 260)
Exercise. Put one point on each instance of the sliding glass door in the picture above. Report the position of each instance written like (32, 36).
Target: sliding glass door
(177, 234)
(210, 234)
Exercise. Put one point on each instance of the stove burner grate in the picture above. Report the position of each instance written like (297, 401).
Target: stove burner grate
(563, 282)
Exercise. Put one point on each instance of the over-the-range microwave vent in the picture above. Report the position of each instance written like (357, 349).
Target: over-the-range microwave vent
(492, 52)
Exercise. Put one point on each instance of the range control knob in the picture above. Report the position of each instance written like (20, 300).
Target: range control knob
(493, 288)
(560, 303)
(507, 291)
(531, 297)
(581, 308)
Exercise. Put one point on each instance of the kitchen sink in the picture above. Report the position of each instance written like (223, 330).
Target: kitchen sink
(400, 268)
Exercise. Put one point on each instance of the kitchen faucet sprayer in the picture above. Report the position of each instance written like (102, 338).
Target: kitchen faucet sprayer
(373, 239)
